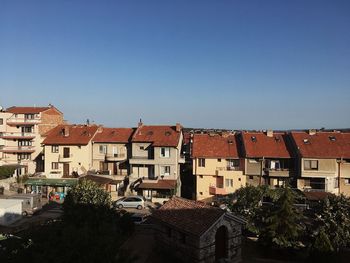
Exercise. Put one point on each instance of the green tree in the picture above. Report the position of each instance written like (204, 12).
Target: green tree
(6, 171)
(332, 220)
(282, 222)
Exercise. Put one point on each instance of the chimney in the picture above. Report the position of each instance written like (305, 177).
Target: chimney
(178, 127)
(312, 131)
(140, 123)
(66, 131)
(269, 133)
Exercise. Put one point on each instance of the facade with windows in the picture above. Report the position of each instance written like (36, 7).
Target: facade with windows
(68, 150)
(156, 158)
(111, 151)
(22, 130)
(268, 158)
(216, 165)
(324, 161)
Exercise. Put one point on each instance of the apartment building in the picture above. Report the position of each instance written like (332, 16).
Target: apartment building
(111, 151)
(324, 161)
(268, 158)
(22, 130)
(216, 165)
(156, 158)
(68, 150)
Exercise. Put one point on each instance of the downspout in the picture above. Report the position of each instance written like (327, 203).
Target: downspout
(339, 165)
(261, 169)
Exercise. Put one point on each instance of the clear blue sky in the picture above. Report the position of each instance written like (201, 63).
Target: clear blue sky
(224, 64)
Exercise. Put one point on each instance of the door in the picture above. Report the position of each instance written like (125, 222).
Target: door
(66, 169)
(221, 244)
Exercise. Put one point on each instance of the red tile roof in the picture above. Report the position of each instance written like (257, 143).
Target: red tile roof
(113, 135)
(258, 144)
(26, 110)
(77, 135)
(322, 144)
(157, 135)
(160, 184)
(188, 216)
(214, 146)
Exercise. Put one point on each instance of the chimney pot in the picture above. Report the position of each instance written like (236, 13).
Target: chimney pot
(178, 127)
(312, 132)
(269, 133)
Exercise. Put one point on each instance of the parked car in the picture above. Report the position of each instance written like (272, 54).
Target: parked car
(130, 202)
(138, 218)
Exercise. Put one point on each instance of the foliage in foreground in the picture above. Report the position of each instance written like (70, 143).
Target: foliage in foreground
(90, 231)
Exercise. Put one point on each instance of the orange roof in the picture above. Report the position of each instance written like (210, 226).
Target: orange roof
(322, 144)
(113, 135)
(26, 110)
(160, 184)
(258, 144)
(215, 146)
(157, 135)
(75, 135)
(189, 216)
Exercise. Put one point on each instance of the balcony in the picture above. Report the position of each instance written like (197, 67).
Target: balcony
(22, 121)
(141, 160)
(217, 190)
(115, 157)
(65, 158)
(277, 172)
(17, 135)
(17, 149)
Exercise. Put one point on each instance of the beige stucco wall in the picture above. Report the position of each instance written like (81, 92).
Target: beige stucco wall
(326, 167)
(207, 176)
(80, 159)
(252, 167)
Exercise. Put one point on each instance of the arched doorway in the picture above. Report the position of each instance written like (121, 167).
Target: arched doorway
(221, 243)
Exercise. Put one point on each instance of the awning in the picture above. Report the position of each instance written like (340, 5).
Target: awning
(51, 182)
(160, 184)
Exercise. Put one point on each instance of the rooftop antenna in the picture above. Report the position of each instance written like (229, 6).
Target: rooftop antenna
(87, 122)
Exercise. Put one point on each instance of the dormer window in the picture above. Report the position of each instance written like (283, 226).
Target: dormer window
(253, 138)
(306, 141)
(332, 138)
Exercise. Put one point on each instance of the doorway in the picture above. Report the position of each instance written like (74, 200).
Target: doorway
(66, 169)
(221, 244)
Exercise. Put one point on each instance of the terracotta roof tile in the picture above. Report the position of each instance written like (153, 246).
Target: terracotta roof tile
(258, 144)
(157, 135)
(26, 110)
(322, 144)
(215, 146)
(160, 184)
(189, 216)
(113, 135)
(77, 135)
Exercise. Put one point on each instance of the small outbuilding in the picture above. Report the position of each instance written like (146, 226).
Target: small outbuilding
(196, 232)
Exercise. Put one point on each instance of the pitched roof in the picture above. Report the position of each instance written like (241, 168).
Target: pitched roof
(26, 110)
(258, 144)
(75, 135)
(214, 146)
(189, 216)
(157, 135)
(160, 184)
(100, 180)
(322, 144)
(116, 135)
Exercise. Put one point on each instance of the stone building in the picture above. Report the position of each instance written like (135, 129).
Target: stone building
(195, 232)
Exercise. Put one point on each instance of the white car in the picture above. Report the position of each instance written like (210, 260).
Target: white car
(130, 202)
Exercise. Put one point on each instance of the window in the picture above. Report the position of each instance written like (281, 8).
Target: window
(229, 182)
(27, 129)
(66, 152)
(1, 121)
(233, 163)
(103, 149)
(142, 147)
(219, 160)
(54, 148)
(54, 166)
(251, 177)
(201, 162)
(347, 181)
(165, 152)
(24, 156)
(310, 165)
(201, 176)
(336, 182)
(24, 143)
(29, 116)
(165, 170)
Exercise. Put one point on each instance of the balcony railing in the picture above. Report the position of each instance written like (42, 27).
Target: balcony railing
(17, 149)
(228, 168)
(14, 135)
(15, 121)
(115, 156)
(217, 189)
(65, 158)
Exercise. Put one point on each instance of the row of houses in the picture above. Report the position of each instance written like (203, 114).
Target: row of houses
(37, 140)
(308, 160)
